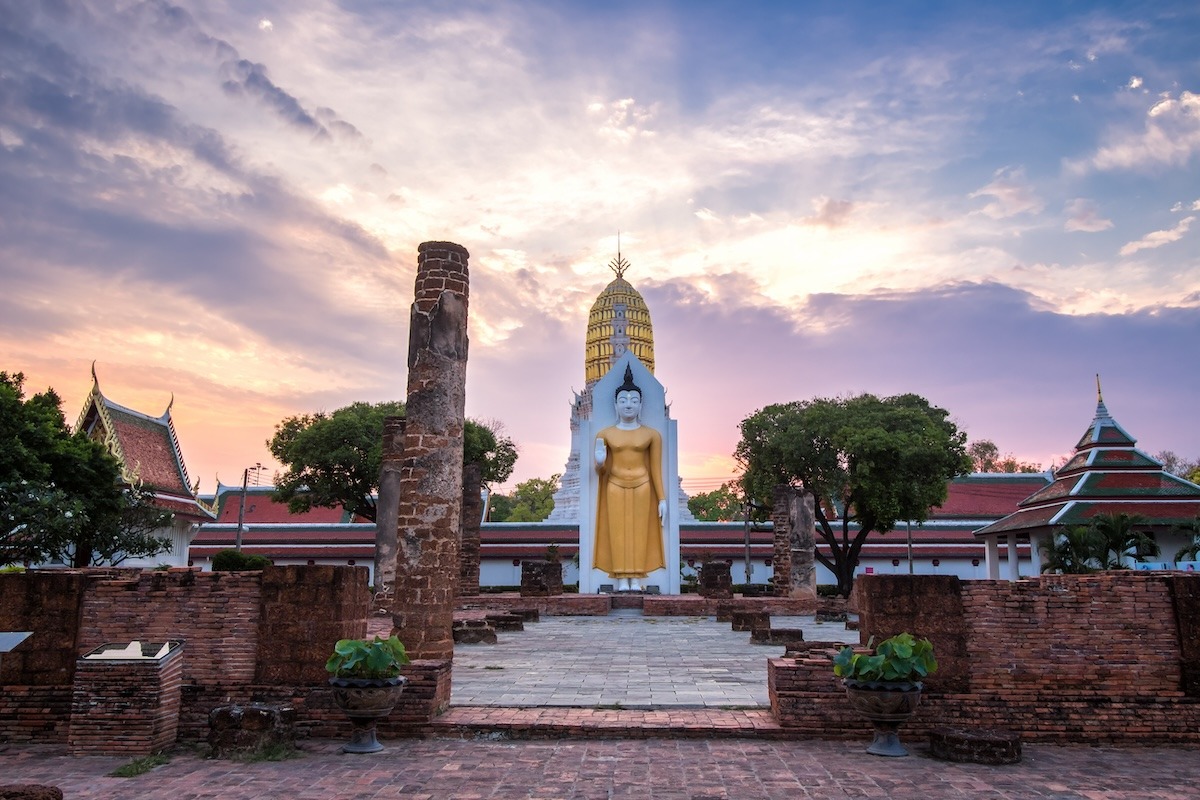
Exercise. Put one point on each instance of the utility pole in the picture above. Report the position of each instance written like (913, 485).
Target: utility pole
(242, 505)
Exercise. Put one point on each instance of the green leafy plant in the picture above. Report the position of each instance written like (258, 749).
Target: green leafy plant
(372, 660)
(232, 560)
(900, 659)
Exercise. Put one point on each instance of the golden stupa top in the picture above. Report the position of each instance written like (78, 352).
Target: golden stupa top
(619, 321)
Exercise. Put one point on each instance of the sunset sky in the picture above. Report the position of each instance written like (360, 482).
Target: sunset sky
(985, 204)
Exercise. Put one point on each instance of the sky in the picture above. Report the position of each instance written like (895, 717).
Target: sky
(987, 205)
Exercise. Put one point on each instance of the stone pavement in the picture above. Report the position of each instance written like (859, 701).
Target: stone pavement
(624, 660)
(662, 769)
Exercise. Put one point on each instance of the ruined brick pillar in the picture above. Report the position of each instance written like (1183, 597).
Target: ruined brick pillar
(430, 510)
(781, 556)
(388, 506)
(472, 516)
(795, 543)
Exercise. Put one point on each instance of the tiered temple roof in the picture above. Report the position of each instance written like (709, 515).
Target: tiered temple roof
(1106, 475)
(147, 449)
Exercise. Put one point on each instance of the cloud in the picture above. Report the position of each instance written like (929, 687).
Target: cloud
(1170, 137)
(1012, 195)
(1158, 238)
(830, 213)
(1082, 215)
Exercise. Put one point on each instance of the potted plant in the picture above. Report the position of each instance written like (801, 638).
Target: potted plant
(885, 686)
(366, 685)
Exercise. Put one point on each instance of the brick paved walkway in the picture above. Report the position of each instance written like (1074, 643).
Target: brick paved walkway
(598, 770)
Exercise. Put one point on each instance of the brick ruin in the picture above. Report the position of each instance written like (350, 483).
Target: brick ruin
(1106, 659)
(431, 476)
(1112, 658)
(248, 637)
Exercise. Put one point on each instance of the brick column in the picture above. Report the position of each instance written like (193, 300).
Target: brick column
(781, 556)
(472, 516)
(388, 506)
(431, 475)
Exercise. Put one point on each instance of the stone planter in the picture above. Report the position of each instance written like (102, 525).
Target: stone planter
(886, 705)
(366, 701)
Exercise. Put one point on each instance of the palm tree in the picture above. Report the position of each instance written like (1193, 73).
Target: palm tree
(1073, 551)
(1120, 541)
(1190, 551)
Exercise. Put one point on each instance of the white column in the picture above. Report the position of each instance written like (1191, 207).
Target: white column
(992, 552)
(1014, 561)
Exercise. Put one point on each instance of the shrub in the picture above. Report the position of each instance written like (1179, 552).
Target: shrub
(237, 561)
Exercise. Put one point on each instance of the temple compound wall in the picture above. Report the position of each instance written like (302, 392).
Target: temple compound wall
(247, 637)
(1105, 659)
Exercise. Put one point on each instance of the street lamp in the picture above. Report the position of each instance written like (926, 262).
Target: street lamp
(256, 469)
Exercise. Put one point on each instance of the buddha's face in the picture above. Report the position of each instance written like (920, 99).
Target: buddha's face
(629, 405)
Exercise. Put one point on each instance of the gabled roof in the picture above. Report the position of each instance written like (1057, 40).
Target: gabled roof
(147, 449)
(1107, 475)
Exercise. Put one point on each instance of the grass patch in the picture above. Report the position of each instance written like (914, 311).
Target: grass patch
(140, 766)
(493, 666)
(609, 706)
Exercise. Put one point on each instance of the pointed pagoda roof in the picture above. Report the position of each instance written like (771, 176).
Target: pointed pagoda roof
(147, 448)
(1106, 475)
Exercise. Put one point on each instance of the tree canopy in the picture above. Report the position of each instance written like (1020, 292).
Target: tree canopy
(531, 501)
(333, 459)
(723, 504)
(61, 495)
(985, 457)
(867, 461)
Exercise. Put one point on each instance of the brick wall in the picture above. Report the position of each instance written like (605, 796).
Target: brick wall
(1088, 658)
(246, 633)
(128, 708)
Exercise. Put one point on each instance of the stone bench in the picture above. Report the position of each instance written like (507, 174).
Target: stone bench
(252, 728)
(975, 745)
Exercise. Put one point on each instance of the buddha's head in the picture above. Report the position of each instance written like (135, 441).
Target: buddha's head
(628, 398)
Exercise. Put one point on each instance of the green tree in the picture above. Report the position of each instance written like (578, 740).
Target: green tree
(723, 504)
(499, 507)
(533, 499)
(61, 495)
(1107, 542)
(333, 459)
(875, 460)
(1073, 551)
(985, 457)
(1191, 550)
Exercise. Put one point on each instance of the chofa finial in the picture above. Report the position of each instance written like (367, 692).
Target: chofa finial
(618, 265)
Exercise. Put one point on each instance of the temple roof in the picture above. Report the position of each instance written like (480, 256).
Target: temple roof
(147, 449)
(1106, 475)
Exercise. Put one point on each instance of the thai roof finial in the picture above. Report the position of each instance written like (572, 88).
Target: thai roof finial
(618, 265)
(1101, 409)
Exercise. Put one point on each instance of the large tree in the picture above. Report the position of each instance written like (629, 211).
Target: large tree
(868, 462)
(61, 495)
(531, 501)
(723, 504)
(333, 459)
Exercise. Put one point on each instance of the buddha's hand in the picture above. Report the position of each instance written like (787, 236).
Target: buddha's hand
(601, 451)
(662, 510)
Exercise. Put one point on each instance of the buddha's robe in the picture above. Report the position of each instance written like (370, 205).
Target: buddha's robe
(629, 542)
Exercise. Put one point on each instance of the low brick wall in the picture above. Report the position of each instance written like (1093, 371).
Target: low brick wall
(563, 605)
(246, 633)
(692, 605)
(1094, 658)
